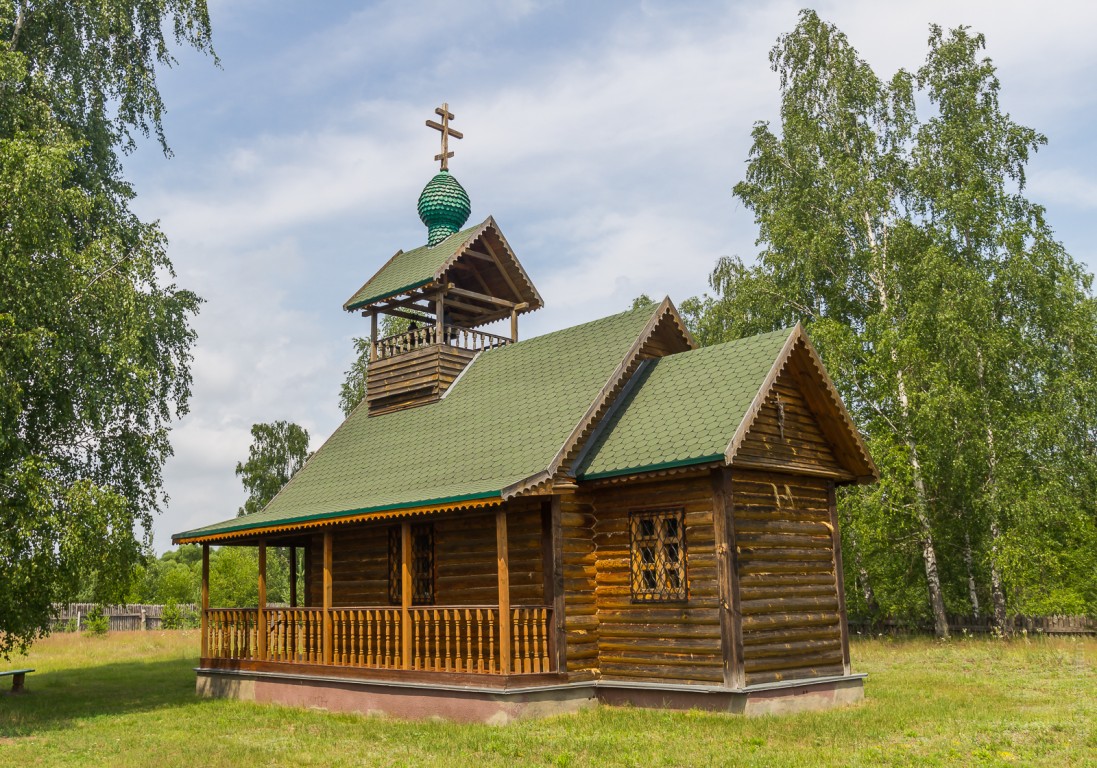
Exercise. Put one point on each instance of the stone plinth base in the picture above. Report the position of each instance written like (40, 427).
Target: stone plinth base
(494, 705)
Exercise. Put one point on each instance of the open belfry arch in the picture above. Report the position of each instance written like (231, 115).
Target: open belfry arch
(505, 528)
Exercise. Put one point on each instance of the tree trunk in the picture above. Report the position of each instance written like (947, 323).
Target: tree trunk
(973, 593)
(921, 503)
(921, 512)
(997, 594)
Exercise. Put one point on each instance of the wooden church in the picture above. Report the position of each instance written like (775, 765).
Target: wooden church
(504, 528)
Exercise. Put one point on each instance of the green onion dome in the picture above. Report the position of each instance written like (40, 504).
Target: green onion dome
(444, 207)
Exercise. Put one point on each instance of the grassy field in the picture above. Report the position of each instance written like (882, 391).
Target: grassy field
(128, 700)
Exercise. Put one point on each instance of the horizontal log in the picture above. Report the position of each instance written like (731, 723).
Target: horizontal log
(775, 566)
(789, 605)
(789, 649)
(784, 591)
(803, 664)
(658, 673)
(791, 634)
(761, 678)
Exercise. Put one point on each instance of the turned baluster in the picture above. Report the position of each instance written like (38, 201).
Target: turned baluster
(516, 665)
(491, 640)
(445, 624)
(437, 642)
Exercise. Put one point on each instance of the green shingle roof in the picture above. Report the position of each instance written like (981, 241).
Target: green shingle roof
(682, 409)
(409, 270)
(503, 422)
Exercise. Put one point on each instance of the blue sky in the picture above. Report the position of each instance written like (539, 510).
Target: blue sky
(604, 137)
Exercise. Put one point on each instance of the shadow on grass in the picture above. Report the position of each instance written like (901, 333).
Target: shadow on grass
(56, 699)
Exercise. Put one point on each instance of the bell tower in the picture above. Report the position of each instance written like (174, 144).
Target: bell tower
(447, 289)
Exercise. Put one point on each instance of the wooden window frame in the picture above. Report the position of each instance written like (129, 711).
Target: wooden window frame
(668, 556)
(423, 565)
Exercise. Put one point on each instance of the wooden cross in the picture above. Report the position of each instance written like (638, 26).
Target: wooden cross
(446, 115)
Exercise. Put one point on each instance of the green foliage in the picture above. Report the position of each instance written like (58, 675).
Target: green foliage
(97, 623)
(353, 389)
(277, 451)
(174, 616)
(893, 223)
(94, 338)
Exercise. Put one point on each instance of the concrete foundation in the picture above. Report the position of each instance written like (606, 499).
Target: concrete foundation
(498, 706)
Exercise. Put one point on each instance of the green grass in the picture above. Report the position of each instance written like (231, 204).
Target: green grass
(128, 700)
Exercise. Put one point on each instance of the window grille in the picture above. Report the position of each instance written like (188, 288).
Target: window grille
(658, 545)
(422, 565)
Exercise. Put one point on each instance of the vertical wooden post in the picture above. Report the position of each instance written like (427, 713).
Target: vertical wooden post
(293, 576)
(504, 589)
(328, 651)
(556, 563)
(405, 595)
(439, 320)
(727, 576)
(372, 336)
(514, 324)
(307, 563)
(839, 577)
(261, 617)
(205, 601)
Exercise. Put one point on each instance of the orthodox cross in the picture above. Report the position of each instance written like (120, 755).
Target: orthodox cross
(446, 115)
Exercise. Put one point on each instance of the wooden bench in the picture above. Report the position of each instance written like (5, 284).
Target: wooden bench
(17, 678)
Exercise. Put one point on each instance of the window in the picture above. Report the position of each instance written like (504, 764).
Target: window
(658, 545)
(422, 565)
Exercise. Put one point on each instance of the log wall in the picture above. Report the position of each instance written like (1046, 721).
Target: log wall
(413, 378)
(579, 582)
(792, 616)
(465, 571)
(664, 641)
(786, 435)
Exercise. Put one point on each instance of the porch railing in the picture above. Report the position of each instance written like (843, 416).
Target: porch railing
(427, 335)
(442, 638)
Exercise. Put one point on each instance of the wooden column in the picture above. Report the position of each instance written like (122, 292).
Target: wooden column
(307, 563)
(727, 577)
(405, 595)
(205, 601)
(439, 322)
(504, 589)
(555, 565)
(514, 324)
(293, 577)
(372, 336)
(261, 618)
(839, 577)
(328, 648)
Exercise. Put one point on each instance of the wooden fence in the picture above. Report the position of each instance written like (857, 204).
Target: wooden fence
(123, 618)
(1033, 625)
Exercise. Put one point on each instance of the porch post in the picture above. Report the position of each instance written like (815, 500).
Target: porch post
(293, 576)
(504, 589)
(554, 565)
(373, 336)
(439, 324)
(405, 595)
(261, 617)
(727, 577)
(328, 649)
(205, 601)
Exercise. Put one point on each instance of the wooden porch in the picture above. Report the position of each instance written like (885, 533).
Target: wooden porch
(405, 637)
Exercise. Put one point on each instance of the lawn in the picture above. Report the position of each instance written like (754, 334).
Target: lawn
(128, 700)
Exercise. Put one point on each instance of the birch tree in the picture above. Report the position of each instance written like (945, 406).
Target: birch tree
(959, 331)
